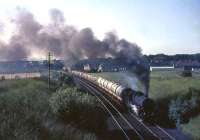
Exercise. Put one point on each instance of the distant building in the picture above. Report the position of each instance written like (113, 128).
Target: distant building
(101, 65)
(28, 66)
(152, 68)
(187, 63)
(19, 76)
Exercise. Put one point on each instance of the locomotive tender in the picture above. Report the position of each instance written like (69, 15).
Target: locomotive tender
(135, 101)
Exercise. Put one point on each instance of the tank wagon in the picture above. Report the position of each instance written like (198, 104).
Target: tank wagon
(133, 100)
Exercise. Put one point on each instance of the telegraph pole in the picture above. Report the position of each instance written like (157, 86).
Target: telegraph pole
(49, 69)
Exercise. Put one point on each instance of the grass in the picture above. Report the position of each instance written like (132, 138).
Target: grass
(169, 83)
(26, 112)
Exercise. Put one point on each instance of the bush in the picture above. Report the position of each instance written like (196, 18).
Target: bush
(182, 108)
(62, 79)
(67, 132)
(21, 108)
(73, 105)
(25, 113)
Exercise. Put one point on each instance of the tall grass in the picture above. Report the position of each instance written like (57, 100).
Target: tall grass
(26, 113)
(21, 106)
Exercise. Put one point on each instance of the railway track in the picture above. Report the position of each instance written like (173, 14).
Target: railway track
(130, 128)
(161, 132)
(140, 129)
(129, 132)
(137, 127)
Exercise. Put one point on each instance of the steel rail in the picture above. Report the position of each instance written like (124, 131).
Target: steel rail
(94, 90)
(155, 134)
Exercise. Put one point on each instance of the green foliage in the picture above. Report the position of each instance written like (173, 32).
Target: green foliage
(175, 109)
(182, 108)
(69, 133)
(25, 113)
(177, 97)
(21, 108)
(62, 79)
(73, 105)
(164, 84)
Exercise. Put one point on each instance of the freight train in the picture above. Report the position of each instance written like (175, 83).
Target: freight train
(131, 99)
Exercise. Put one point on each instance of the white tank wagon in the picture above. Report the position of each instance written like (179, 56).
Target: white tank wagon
(86, 76)
(133, 100)
(76, 73)
(108, 86)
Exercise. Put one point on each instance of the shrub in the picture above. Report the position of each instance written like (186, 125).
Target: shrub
(175, 109)
(25, 113)
(182, 108)
(73, 105)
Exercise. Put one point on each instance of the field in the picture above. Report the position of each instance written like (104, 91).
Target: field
(169, 83)
(31, 111)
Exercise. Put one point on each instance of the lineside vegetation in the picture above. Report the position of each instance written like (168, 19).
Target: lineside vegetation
(29, 110)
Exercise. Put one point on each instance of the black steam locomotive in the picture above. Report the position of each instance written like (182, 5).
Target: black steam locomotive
(135, 101)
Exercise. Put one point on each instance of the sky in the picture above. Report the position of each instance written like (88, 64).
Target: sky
(157, 26)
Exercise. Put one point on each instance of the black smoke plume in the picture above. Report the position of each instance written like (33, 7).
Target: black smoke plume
(64, 41)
